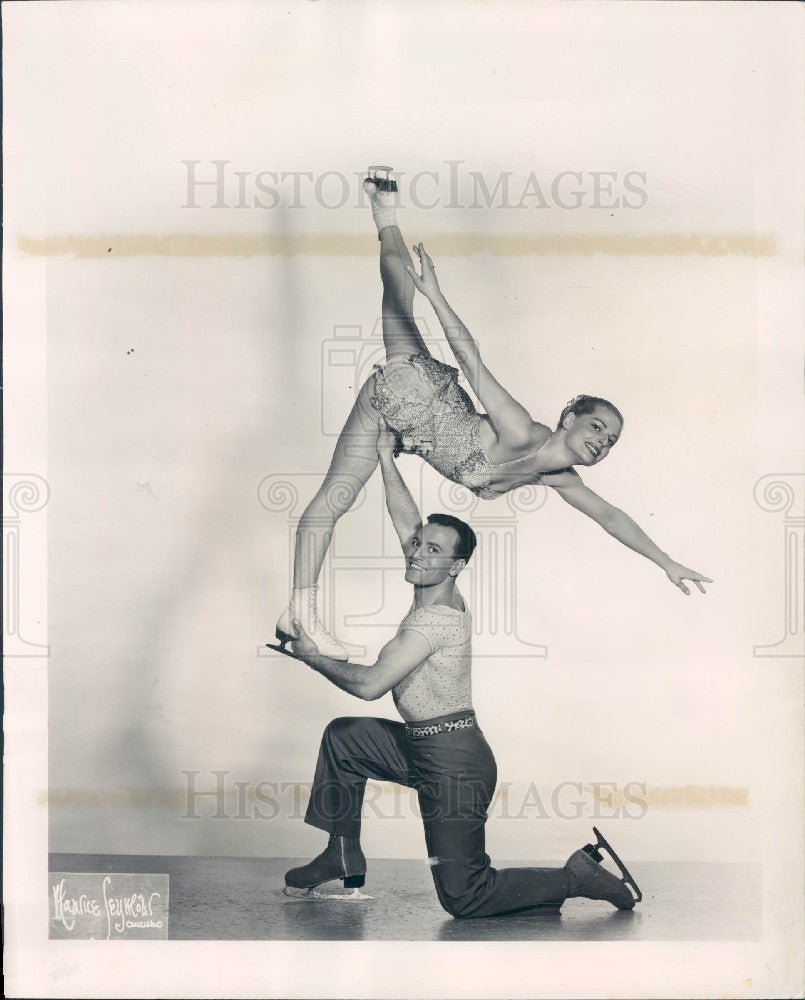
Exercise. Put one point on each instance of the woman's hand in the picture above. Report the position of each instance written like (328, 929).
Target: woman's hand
(386, 440)
(676, 573)
(425, 282)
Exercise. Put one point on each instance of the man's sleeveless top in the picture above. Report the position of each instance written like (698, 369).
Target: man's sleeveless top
(442, 683)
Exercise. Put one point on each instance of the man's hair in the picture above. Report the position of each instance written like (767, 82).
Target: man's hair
(465, 546)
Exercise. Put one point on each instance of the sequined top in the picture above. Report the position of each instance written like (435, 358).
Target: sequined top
(434, 418)
(442, 683)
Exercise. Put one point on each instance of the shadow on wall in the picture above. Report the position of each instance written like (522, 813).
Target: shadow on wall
(194, 694)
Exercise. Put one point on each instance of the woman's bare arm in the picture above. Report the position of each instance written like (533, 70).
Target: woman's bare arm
(617, 523)
(510, 419)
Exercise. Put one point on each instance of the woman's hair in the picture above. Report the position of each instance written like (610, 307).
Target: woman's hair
(465, 546)
(587, 404)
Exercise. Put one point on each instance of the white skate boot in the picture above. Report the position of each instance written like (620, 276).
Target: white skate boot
(382, 191)
(303, 605)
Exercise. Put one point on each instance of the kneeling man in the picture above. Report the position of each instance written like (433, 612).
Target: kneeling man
(438, 749)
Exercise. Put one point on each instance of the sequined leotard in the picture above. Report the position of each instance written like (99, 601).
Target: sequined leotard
(434, 418)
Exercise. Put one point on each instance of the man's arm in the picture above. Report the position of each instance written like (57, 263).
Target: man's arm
(404, 512)
(396, 660)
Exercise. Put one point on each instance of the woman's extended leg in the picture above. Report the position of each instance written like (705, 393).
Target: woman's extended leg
(353, 462)
(400, 332)
(401, 335)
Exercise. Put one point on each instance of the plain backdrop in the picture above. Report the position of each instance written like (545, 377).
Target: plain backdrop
(179, 377)
(177, 382)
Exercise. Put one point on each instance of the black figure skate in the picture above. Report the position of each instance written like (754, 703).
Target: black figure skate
(593, 881)
(382, 183)
(342, 859)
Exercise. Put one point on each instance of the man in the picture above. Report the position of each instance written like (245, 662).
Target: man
(438, 750)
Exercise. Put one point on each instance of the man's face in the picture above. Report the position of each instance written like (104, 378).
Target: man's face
(430, 555)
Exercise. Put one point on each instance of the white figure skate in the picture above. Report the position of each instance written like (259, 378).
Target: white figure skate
(303, 606)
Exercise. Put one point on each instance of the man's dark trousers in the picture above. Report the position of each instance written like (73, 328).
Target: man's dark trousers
(454, 774)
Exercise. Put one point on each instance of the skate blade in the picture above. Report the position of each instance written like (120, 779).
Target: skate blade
(300, 895)
(281, 649)
(627, 877)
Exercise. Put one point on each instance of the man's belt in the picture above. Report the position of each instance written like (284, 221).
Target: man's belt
(416, 730)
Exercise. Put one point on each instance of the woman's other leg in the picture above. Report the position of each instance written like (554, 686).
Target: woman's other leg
(353, 462)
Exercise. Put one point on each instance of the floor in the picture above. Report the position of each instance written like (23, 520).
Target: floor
(241, 899)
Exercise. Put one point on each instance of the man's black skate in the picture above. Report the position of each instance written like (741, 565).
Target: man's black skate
(594, 850)
(589, 879)
(342, 859)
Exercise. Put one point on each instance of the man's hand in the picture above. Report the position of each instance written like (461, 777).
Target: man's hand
(386, 440)
(303, 646)
(676, 573)
(425, 282)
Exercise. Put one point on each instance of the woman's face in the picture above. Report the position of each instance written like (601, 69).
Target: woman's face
(590, 436)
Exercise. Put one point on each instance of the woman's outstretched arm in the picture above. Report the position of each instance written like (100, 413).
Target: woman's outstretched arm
(613, 520)
(509, 419)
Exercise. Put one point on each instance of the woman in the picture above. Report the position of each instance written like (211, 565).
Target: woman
(419, 398)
